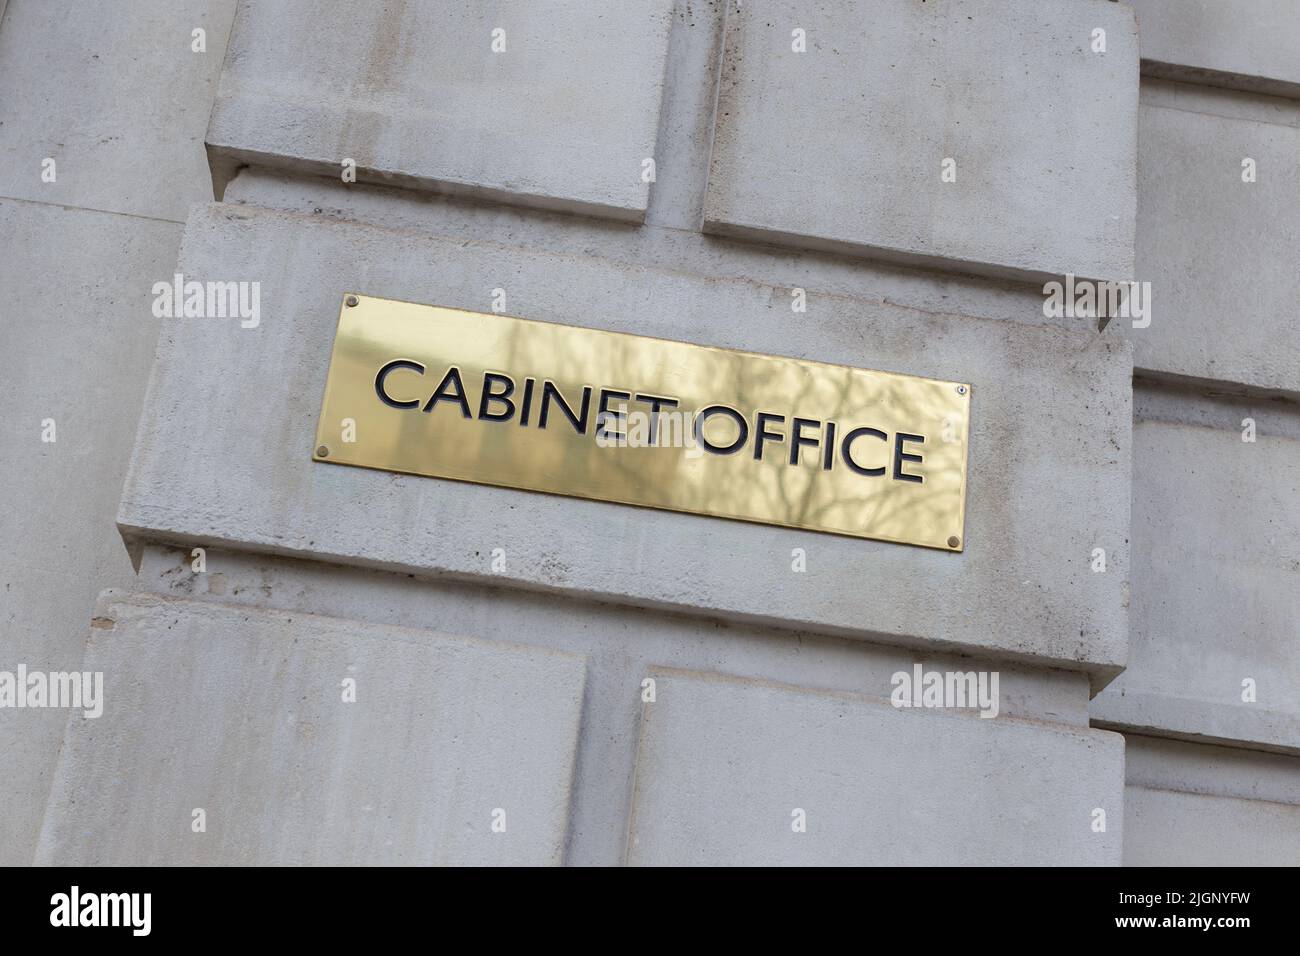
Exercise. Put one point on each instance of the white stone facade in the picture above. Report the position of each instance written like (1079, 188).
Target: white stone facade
(345, 666)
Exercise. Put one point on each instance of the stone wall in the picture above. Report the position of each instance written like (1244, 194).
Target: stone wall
(541, 679)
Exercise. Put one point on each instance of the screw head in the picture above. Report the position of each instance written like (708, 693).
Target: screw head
(954, 541)
(351, 300)
(961, 389)
(323, 452)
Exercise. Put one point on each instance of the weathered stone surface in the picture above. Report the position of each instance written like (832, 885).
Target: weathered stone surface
(1219, 253)
(79, 341)
(1191, 804)
(1216, 573)
(723, 765)
(116, 96)
(826, 177)
(240, 712)
(620, 644)
(1170, 828)
(1243, 44)
(843, 146)
(1051, 419)
(1159, 763)
(561, 118)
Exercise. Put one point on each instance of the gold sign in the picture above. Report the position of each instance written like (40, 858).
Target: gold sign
(641, 421)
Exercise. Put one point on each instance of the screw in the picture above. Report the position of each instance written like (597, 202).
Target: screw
(954, 541)
(351, 300)
(323, 451)
(961, 389)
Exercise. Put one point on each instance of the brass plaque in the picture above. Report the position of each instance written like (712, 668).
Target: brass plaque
(640, 421)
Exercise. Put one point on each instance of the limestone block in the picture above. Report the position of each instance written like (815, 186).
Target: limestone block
(240, 712)
(1216, 598)
(224, 450)
(553, 105)
(845, 145)
(724, 765)
(1169, 828)
(116, 96)
(79, 341)
(1243, 44)
(1219, 253)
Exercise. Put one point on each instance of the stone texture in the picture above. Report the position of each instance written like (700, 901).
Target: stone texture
(723, 763)
(79, 340)
(1051, 418)
(1169, 828)
(1216, 574)
(239, 712)
(619, 644)
(1219, 252)
(1195, 805)
(1243, 44)
(1158, 763)
(841, 146)
(655, 245)
(413, 92)
(608, 594)
(115, 96)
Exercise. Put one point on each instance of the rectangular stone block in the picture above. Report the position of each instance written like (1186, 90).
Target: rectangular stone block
(1219, 252)
(847, 144)
(1216, 596)
(1242, 44)
(724, 765)
(116, 95)
(1170, 828)
(1161, 763)
(552, 105)
(1050, 422)
(79, 342)
(240, 712)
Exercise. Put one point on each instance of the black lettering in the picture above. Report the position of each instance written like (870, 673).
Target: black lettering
(760, 421)
(742, 427)
(846, 451)
(488, 396)
(604, 415)
(900, 456)
(383, 374)
(797, 440)
(656, 402)
(579, 422)
(527, 404)
(442, 395)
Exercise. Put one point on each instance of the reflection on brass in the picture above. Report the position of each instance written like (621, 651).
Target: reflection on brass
(641, 421)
